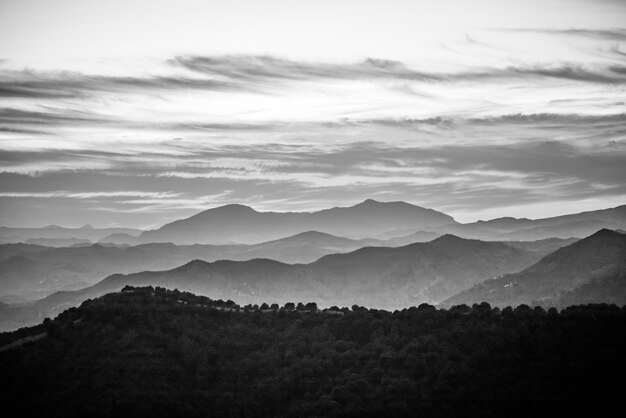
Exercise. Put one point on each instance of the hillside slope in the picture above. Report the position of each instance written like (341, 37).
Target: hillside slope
(600, 255)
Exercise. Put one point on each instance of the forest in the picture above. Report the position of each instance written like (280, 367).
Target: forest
(156, 352)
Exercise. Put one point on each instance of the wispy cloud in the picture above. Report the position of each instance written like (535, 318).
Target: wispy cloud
(257, 68)
(71, 85)
(92, 195)
(617, 34)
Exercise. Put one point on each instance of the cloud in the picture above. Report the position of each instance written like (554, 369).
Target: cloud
(566, 120)
(71, 85)
(265, 68)
(617, 34)
(307, 135)
(461, 177)
(52, 117)
(21, 131)
(569, 72)
(257, 68)
(261, 74)
(92, 195)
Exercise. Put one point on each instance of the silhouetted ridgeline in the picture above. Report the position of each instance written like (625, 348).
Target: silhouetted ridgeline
(155, 352)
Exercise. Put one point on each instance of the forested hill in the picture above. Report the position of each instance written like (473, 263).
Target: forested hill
(154, 352)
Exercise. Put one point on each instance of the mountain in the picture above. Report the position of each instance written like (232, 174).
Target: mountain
(397, 223)
(120, 238)
(30, 272)
(542, 246)
(242, 224)
(53, 232)
(601, 255)
(57, 242)
(305, 247)
(153, 352)
(418, 236)
(374, 276)
(513, 229)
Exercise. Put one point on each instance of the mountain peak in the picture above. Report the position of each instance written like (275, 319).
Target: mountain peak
(234, 207)
(229, 210)
(449, 238)
(377, 203)
(369, 202)
(193, 265)
(605, 232)
(312, 234)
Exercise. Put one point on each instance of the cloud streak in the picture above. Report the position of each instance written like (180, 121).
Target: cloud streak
(618, 34)
(257, 73)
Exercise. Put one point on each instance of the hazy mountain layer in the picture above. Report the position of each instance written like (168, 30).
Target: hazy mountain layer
(599, 256)
(513, 229)
(32, 272)
(242, 224)
(53, 232)
(399, 223)
(29, 272)
(372, 276)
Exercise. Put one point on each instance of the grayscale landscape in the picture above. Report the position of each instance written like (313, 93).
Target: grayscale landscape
(311, 209)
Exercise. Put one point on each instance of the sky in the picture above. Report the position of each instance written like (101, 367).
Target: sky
(135, 113)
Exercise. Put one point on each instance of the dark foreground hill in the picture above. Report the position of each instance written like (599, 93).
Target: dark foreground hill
(153, 352)
(599, 258)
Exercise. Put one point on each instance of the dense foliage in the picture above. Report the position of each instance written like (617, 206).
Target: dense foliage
(155, 352)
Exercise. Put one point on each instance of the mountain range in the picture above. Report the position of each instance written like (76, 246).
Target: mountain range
(30, 272)
(242, 224)
(575, 225)
(56, 235)
(393, 254)
(370, 219)
(384, 277)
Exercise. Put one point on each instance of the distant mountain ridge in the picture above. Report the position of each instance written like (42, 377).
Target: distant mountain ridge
(578, 225)
(54, 232)
(242, 224)
(398, 223)
(595, 258)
